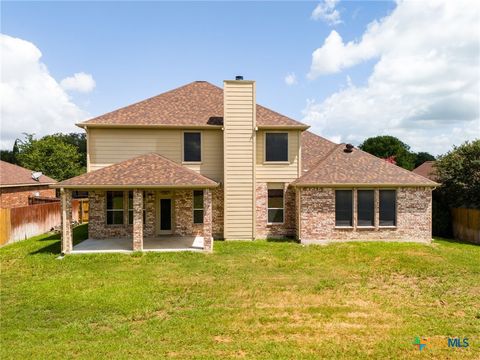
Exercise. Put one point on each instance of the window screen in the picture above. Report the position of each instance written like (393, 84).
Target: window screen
(192, 146)
(365, 207)
(388, 205)
(275, 205)
(276, 147)
(198, 206)
(343, 208)
(114, 207)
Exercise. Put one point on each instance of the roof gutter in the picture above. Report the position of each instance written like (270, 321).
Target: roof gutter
(356, 185)
(205, 127)
(140, 126)
(81, 187)
(23, 185)
(283, 127)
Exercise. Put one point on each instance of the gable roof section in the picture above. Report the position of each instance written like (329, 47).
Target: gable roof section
(358, 168)
(314, 148)
(145, 171)
(198, 104)
(427, 169)
(13, 175)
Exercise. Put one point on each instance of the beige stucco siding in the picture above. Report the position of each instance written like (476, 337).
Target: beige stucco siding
(109, 146)
(281, 172)
(239, 156)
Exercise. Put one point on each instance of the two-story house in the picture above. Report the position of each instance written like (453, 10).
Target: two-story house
(210, 163)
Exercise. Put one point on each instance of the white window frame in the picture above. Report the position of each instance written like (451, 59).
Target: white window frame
(198, 209)
(276, 187)
(355, 220)
(353, 209)
(107, 210)
(183, 146)
(265, 161)
(396, 209)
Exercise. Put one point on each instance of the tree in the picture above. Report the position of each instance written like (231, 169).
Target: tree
(7, 155)
(50, 155)
(459, 173)
(389, 147)
(421, 157)
(10, 155)
(76, 139)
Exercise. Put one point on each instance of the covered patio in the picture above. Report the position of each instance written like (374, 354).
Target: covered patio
(148, 203)
(125, 245)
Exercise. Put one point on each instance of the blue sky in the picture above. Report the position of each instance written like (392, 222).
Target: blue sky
(134, 50)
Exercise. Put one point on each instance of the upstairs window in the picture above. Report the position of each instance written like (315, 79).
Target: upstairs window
(343, 208)
(192, 147)
(276, 147)
(275, 206)
(388, 208)
(114, 207)
(365, 207)
(198, 206)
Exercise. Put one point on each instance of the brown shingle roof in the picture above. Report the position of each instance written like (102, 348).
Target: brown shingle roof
(196, 104)
(427, 170)
(314, 148)
(150, 170)
(340, 168)
(13, 175)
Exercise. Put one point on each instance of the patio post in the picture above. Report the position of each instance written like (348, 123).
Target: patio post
(137, 220)
(67, 236)
(207, 220)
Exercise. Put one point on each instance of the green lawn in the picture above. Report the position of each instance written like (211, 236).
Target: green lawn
(246, 300)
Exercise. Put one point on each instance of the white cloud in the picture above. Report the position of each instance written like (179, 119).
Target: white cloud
(326, 12)
(32, 101)
(335, 55)
(291, 79)
(424, 88)
(80, 82)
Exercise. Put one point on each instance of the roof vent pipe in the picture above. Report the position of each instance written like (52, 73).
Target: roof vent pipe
(239, 77)
(348, 148)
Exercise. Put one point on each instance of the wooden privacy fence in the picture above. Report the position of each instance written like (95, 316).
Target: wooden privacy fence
(466, 224)
(23, 222)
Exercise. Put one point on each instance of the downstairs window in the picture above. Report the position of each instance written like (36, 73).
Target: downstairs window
(114, 207)
(198, 206)
(388, 208)
(275, 206)
(365, 208)
(343, 208)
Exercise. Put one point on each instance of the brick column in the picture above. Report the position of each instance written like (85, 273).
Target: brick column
(207, 220)
(67, 236)
(137, 220)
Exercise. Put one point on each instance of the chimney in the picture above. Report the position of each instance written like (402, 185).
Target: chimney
(239, 139)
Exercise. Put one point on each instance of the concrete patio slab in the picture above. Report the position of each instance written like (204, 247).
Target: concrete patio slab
(124, 245)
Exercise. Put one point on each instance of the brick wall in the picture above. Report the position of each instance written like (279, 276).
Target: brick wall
(182, 215)
(217, 212)
(265, 230)
(18, 196)
(317, 217)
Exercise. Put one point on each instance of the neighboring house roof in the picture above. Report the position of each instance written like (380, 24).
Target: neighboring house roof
(314, 148)
(358, 168)
(196, 104)
(427, 169)
(13, 175)
(150, 170)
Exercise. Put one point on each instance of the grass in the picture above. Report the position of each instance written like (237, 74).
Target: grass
(246, 300)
